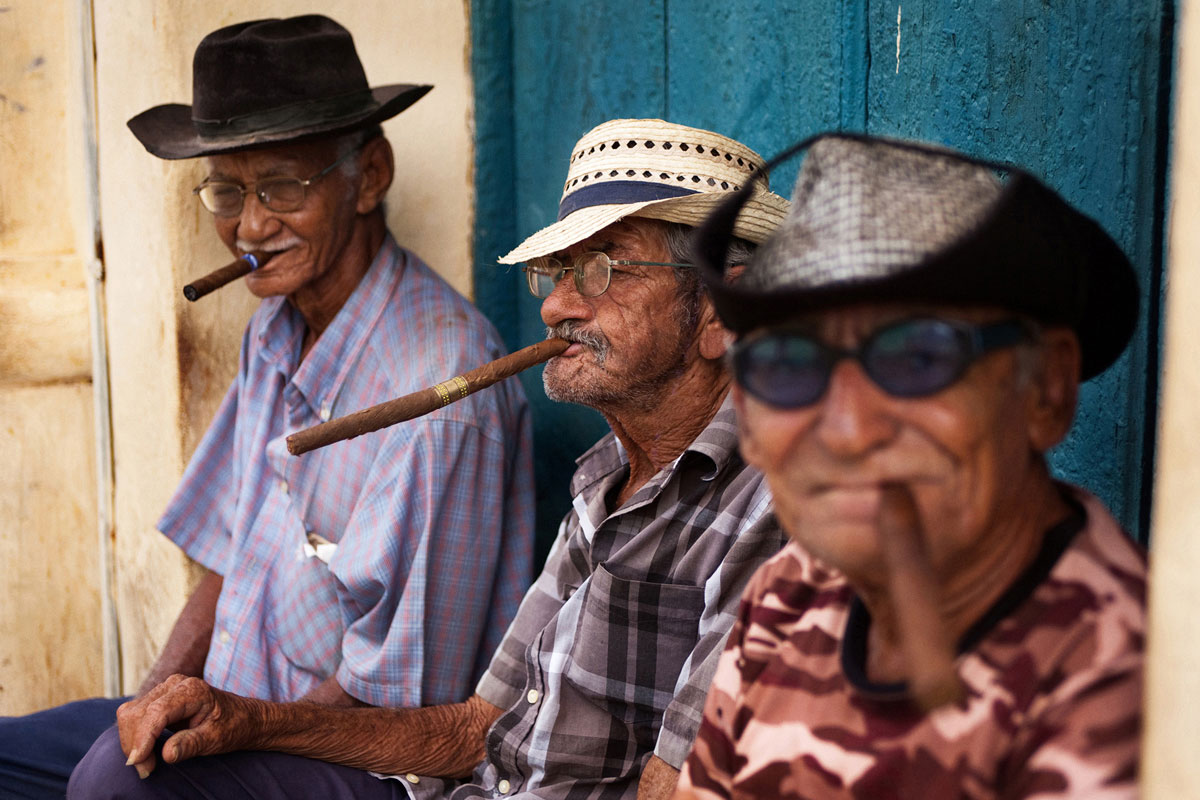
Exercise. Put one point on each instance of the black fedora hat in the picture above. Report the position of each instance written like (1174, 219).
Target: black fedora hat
(267, 82)
(882, 220)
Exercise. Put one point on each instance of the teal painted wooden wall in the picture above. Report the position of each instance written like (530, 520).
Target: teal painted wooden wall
(1078, 92)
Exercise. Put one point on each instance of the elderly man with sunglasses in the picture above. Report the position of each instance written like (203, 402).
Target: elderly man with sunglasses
(380, 571)
(949, 620)
(597, 687)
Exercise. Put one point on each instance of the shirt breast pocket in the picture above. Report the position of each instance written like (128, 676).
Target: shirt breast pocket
(307, 616)
(631, 641)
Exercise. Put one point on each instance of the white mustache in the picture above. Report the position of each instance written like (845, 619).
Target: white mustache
(269, 246)
(572, 331)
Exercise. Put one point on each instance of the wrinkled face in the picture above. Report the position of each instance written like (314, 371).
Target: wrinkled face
(631, 340)
(966, 453)
(307, 242)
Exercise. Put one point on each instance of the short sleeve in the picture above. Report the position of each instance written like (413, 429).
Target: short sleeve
(430, 567)
(199, 517)
(760, 539)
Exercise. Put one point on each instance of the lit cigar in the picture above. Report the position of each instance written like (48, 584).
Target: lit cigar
(226, 274)
(417, 404)
(928, 648)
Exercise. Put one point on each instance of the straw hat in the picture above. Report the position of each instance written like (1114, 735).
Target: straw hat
(889, 221)
(268, 82)
(656, 169)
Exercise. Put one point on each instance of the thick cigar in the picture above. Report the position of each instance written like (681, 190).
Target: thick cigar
(914, 591)
(226, 274)
(417, 404)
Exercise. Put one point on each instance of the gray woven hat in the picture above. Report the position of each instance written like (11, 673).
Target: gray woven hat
(881, 220)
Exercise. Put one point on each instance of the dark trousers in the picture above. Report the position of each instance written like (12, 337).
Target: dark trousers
(102, 774)
(38, 751)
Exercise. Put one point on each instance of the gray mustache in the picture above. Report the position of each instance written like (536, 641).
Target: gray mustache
(573, 331)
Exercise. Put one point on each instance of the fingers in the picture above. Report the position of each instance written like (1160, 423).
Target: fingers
(141, 721)
(926, 643)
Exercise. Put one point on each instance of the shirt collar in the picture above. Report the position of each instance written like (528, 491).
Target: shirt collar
(716, 445)
(320, 377)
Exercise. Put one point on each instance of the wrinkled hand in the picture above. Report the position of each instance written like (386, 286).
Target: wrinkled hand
(207, 721)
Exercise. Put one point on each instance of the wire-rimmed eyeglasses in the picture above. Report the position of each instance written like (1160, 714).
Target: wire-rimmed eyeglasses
(592, 272)
(283, 194)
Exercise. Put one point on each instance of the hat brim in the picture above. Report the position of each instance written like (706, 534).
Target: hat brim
(167, 131)
(1034, 255)
(763, 213)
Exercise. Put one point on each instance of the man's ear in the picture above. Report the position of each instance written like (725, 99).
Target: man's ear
(715, 337)
(376, 170)
(712, 336)
(1054, 388)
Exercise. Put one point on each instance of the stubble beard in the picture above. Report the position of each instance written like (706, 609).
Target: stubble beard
(643, 392)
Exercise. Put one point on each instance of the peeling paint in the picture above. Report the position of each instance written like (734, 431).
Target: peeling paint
(897, 40)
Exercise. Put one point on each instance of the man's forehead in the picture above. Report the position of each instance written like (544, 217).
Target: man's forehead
(630, 232)
(285, 159)
(865, 317)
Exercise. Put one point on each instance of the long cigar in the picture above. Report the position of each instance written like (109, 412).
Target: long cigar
(226, 274)
(914, 591)
(417, 404)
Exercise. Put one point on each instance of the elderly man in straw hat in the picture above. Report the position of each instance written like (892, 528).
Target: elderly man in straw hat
(949, 620)
(380, 571)
(597, 688)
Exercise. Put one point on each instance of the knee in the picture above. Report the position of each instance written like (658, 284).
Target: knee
(102, 773)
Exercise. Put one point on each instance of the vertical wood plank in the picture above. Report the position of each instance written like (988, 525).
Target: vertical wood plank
(50, 649)
(1071, 92)
(575, 65)
(1170, 768)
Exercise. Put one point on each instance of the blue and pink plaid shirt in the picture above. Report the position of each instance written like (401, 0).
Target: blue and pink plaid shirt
(432, 518)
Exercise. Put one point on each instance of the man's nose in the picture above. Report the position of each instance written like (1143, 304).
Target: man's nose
(565, 303)
(256, 223)
(854, 415)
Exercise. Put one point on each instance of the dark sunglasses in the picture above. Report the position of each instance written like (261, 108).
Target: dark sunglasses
(910, 358)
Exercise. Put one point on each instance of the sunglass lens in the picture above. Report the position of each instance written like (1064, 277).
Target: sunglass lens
(786, 369)
(916, 357)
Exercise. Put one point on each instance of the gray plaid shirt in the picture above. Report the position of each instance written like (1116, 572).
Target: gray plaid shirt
(613, 648)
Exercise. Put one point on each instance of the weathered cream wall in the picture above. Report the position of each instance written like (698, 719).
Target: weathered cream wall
(1170, 767)
(50, 649)
(170, 361)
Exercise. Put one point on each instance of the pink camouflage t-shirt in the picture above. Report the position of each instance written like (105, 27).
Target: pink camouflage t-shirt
(1053, 677)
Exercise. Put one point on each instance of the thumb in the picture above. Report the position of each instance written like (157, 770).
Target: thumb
(183, 745)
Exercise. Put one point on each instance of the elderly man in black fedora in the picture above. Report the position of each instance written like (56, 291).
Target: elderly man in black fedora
(381, 571)
(949, 620)
(597, 687)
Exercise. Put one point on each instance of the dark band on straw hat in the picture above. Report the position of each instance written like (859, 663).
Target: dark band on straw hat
(656, 169)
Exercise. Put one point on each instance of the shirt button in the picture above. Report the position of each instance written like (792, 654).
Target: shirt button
(326, 412)
(411, 778)
(283, 487)
(504, 786)
(225, 637)
(532, 697)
